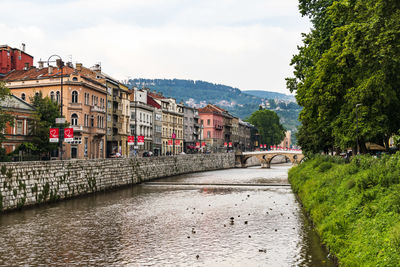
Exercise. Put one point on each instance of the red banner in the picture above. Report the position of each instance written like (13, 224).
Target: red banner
(230, 144)
(140, 140)
(203, 144)
(225, 144)
(173, 135)
(68, 134)
(131, 140)
(198, 145)
(54, 135)
(170, 142)
(177, 142)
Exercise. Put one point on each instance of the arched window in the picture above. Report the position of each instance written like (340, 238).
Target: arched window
(23, 96)
(75, 79)
(52, 96)
(58, 96)
(37, 94)
(74, 119)
(74, 97)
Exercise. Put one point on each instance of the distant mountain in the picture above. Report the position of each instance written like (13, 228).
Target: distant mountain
(270, 95)
(237, 102)
(198, 91)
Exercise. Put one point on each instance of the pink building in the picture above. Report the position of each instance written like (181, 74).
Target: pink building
(212, 120)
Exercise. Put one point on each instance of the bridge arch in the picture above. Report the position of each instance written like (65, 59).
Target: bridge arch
(265, 157)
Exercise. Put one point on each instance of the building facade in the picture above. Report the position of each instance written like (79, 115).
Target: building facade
(117, 114)
(191, 129)
(83, 98)
(14, 59)
(172, 124)
(141, 122)
(212, 121)
(23, 114)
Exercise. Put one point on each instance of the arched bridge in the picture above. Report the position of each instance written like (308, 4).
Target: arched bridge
(265, 157)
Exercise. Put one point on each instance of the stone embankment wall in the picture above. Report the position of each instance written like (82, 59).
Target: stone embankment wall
(30, 183)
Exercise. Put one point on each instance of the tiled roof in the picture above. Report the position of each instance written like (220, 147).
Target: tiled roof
(154, 95)
(151, 102)
(35, 73)
(211, 109)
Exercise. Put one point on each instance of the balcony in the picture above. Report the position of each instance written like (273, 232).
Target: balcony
(117, 99)
(219, 127)
(97, 109)
(117, 125)
(97, 131)
(77, 128)
(117, 112)
(75, 106)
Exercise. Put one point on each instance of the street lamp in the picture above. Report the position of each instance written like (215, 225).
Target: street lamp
(358, 147)
(60, 65)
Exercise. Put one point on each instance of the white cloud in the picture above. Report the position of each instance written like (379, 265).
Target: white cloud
(245, 44)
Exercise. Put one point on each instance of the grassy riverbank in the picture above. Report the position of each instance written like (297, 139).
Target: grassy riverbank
(355, 207)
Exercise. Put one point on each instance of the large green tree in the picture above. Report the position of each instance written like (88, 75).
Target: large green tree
(269, 128)
(46, 113)
(350, 57)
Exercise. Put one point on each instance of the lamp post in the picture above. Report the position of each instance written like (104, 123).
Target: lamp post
(201, 133)
(60, 65)
(358, 147)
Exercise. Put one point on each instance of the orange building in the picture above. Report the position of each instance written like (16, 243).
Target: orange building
(84, 103)
(23, 115)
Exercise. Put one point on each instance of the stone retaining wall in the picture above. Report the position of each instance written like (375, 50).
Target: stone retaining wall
(30, 183)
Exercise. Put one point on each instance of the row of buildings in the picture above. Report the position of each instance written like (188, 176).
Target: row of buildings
(104, 112)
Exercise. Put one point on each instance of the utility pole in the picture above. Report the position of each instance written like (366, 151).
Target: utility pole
(60, 65)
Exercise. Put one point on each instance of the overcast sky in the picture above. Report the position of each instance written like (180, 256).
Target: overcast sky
(244, 44)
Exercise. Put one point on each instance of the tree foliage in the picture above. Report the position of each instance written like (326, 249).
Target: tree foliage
(4, 116)
(269, 128)
(350, 57)
(46, 113)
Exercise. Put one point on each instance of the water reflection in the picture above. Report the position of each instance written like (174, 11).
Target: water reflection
(151, 225)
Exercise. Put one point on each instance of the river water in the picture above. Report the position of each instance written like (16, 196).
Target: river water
(172, 223)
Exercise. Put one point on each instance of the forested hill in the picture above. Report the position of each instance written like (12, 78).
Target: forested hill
(183, 90)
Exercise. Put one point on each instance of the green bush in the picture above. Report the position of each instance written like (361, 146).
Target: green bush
(355, 207)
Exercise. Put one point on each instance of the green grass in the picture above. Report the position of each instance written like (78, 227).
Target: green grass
(355, 207)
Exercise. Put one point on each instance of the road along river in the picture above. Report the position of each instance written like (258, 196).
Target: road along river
(235, 217)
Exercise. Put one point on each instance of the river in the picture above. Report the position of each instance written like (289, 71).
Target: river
(171, 223)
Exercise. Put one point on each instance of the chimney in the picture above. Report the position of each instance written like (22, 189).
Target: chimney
(23, 47)
(50, 69)
(41, 64)
(78, 66)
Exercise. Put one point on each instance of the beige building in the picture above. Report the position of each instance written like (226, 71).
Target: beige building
(118, 114)
(83, 98)
(172, 124)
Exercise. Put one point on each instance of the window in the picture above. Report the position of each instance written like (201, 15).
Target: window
(19, 126)
(208, 134)
(52, 97)
(74, 97)
(23, 97)
(208, 122)
(74, 119)
(75, 79)
(58, 96)
(92, 121)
